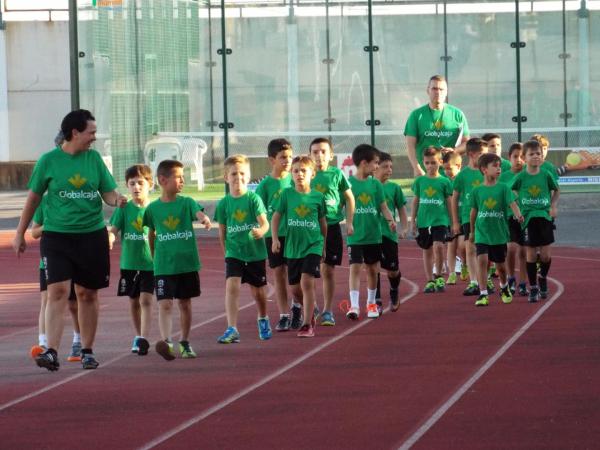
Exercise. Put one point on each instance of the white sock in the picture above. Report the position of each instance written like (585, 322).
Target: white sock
(42, 340)
(283, 315)
(296, 304)
(354, 299)
(474, 280)
(76, 338)
(483, 292)
(371, 295)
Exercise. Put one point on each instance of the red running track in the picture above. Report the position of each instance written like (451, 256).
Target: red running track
(438, 374)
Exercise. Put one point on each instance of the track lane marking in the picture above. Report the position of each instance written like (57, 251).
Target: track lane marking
(439, 413)
(247, 390)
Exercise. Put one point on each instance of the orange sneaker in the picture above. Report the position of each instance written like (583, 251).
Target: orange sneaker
(372, 312)
(36, 350)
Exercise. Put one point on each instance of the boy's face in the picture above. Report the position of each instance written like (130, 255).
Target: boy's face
(283, 161)
(173, 184)
(138, 188)
(544, 152)
(321, 154)
(516, 160)
(302, 174)
(495, 146)
(451, 168)
(474, 156)
(493, 170)
(384, 171)
(533, 157)
(237, 177)
(369, 167)
(432, 164)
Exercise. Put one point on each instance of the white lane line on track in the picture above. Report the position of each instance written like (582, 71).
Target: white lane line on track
(439, 413)
(242, 393)
(104, 364)
(576, 258)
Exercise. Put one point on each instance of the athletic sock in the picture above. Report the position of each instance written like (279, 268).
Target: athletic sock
(532, 273)
(281, 316)
(76, 338)
(544, 268)
(354, 297)
(85, 351)
(42, 340)
(296, 304)
(371, 295)
(483, 292)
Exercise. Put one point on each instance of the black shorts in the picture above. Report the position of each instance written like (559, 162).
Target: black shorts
(310, 264)
(465, 230)
(254, 272)
(364, 253)
(132, 282)
(496, 253)
(334, 245)
(427, 236)
(539, 232)
(81, 257)
(389, 254)
(181, 285)
(516, 232)
(44, 286)
(275, 259)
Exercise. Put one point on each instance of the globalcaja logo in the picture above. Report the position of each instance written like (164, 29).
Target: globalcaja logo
(364, 198)
(438, 133)
(438, 124)
(302, 211)
(171, 222)
(137, 224)
(534, 190)
(239, 215)
(475, 183)
(490, 203)
(430, 191)
(492, 214)
(322, 189)
(77, 180)
(277, 194)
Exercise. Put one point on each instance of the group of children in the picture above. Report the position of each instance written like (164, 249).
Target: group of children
(293, 219)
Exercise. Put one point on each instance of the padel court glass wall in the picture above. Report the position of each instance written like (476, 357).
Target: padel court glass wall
(236, 74)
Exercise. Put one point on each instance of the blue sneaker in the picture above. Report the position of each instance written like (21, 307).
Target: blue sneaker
(264, 329)
(327, 319)
(231, 336)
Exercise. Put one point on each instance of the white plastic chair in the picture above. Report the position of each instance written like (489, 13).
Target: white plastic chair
(159, 149)
(192, 156)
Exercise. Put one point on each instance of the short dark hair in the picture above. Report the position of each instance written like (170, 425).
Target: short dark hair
(451, 156)
(437, 78)
(165, 168)
(321, 140)
(75, 120)
(514, 147)
(278, 145)
(489, 136)
(383, 156)
(304, 160)
(432, 151)
(476, 145)
(139, 170)
(531, 145)
(486, 159)
(364, 152)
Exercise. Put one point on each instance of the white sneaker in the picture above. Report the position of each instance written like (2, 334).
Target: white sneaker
(372, 312)
(353, 313)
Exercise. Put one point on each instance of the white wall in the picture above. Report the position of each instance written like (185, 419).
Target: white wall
(39, 93)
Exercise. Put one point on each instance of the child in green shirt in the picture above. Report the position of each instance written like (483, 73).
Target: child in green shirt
(394, 197)
(176, 262)
(468, 179)
(364, 245)
(516, 250)
(304, 211)
(269, 189)
(452, 163)
(334, 185)
(489, 204)
(431, 217)
(494, 142)
(137, 276)
(243, 223)
(538, 194)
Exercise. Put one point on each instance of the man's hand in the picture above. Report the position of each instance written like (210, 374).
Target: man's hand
(19, 245)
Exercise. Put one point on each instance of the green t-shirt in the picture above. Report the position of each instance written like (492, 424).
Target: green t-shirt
(302, 212)
(491, 203)
(431, 127)
(135, 251)
(507, 178)
(269, 190)
(505, 165)
(332, 183)
(534, 193)
(175, 249)
(368, 195)
(551, 169)
(38, 218)
(74, 184)
(464, 183)
(239, 216)
(432, 194)
(394, 197)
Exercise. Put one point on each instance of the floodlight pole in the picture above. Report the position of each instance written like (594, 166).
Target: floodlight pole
(74, 54)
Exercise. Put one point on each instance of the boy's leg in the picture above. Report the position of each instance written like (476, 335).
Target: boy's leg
(545, 261)
(55, 310)
(372, 278)
(136, 314)
(87, 300)
(451, 259)
(232, 300)
(471, 255)
(482, 264)
(511, 259)
(354, 284)
(42, 319)
(307, 285)
(165, 318)
(428, 263)
(328, 274)
(259, 294)
(280, 284)
(146, 300)
(185, 317)
(75, 354)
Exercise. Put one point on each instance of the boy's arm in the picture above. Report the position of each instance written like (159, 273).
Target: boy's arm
(114, 199)
(472, 218)
(454, 213)
(275, 246)
(323, 226)
(554, 203)
(350, 205)
(263, 226)
(449, 206)
(222, 233)
(388, 215)
(516, 211)
(112, 235)
(413, 214)
(203, 219)
(403, 221)
(151, 239)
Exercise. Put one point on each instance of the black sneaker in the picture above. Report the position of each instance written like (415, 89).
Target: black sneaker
(533, 294)
(472, 289)
(394, 300)
(543, 284)
(523, 292)
(283, 324)
(88, 361)
(143, 346)
(379, 306)
(48, 360)
(296, 317)
(512, 285)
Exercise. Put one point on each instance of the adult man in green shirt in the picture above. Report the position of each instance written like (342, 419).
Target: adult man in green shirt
(435, 124)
